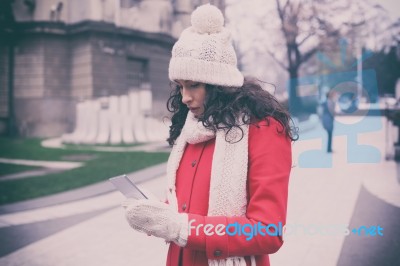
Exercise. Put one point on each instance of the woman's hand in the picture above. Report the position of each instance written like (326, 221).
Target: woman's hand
(157, 218)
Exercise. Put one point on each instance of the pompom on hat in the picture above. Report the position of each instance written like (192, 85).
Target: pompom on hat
(204, 51)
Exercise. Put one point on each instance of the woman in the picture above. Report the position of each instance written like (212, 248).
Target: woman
(229, 168)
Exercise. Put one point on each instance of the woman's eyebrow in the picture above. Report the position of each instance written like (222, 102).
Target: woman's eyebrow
(190, 82)
(185, 82)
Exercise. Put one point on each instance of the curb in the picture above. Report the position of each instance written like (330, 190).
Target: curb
(89, 191)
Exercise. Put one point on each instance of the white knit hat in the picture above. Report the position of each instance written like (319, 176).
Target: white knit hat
(204, 51)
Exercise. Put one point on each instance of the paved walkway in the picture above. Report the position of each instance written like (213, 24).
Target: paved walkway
(48, 164)
(48, 167)
(152, 146)
(93, 231)
(78, 194)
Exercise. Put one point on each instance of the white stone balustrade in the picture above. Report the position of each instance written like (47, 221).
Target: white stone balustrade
(117, 119)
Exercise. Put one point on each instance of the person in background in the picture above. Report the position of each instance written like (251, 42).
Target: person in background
(230, 161)
(328, 117)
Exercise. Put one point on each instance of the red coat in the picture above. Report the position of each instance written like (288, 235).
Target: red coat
(269, 168)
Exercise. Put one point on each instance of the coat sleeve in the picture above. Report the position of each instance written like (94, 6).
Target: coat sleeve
(270, 163)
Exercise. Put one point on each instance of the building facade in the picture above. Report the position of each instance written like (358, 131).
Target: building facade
(55, 54)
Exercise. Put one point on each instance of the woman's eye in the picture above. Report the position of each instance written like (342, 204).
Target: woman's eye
(194, 85)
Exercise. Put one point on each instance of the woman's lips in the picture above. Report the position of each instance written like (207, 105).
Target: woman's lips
(193, 109)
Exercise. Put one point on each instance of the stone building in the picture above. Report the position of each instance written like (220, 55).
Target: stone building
(54, 54)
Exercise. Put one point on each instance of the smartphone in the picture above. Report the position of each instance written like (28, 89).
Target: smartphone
(127, 187)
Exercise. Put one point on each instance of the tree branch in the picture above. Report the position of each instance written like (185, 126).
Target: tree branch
(277, 60)
(280, 10)
(306, 38)
(306, 56)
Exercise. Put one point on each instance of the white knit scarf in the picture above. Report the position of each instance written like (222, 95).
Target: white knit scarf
(228, 173)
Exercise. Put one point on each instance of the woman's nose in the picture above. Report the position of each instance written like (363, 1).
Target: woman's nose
(186, 96)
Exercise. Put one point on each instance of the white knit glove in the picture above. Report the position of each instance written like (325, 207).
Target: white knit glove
(158, 219)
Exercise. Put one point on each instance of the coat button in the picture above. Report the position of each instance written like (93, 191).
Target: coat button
(184, 206)
(217, 253)
(194, 163)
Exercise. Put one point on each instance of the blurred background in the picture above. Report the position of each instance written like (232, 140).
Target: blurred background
(83, 92)
(56, 54)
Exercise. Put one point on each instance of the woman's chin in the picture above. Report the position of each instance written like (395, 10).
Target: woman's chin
(196, 113)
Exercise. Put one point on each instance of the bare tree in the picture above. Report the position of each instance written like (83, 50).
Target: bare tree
(291, 32)
(306, 28)
(309, 26)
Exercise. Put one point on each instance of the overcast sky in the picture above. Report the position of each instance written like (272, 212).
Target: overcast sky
(392, 6)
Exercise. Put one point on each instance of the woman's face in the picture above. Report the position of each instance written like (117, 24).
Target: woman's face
(193, 95)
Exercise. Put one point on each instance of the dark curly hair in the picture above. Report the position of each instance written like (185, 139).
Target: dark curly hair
(224, 104)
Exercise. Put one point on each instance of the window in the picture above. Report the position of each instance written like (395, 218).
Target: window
(136, 72)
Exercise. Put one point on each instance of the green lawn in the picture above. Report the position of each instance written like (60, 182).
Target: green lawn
(30, 149)
(102, 166)
(7, 169)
